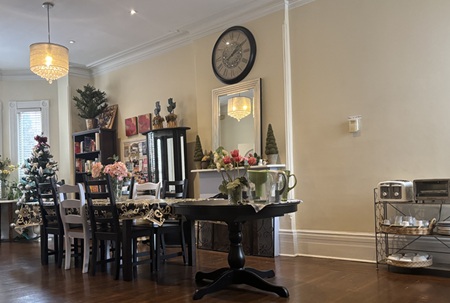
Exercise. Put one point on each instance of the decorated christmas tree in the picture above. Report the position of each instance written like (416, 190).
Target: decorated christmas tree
(198, 151)
(40, 166)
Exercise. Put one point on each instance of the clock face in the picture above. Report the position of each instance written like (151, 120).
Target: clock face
(233, 54)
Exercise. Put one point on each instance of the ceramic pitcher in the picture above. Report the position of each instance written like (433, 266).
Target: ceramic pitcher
(288, 182)
(275, 185)
(268, 184)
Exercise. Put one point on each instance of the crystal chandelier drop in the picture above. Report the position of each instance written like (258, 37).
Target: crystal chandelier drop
(48, 60)
(239, 107)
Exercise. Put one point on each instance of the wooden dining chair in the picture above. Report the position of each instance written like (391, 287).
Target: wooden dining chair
(171, 233)
(75, 223)
(105, 226)
(147, 190)
(51, 221)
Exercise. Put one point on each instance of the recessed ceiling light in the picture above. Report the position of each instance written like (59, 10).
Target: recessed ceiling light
(133, 12)
(72, 41)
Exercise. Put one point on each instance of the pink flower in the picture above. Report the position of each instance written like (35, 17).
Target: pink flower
(116, 170)
(234, 153)
(226, 160)
(251, 160)
(96, 169)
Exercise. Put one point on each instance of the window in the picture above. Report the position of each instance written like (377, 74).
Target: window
(27, 119)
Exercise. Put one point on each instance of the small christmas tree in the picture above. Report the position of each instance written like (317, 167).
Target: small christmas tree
(40, 166)
(271, 143)
(198, 151)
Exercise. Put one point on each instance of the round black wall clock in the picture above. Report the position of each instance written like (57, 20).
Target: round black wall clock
(233, 54)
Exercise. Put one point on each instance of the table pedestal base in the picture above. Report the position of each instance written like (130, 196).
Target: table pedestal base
(226, 276)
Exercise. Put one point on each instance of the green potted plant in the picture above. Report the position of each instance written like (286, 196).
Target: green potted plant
(271, 149)
(90, 103)
(198, 153)
(206, 159)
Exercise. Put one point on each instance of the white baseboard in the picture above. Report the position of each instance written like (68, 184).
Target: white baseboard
(328, 244)
(353, 246)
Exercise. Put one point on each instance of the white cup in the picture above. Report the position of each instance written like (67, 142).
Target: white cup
(405, 223)
(419, 223)
(419, 258)
(387, 222)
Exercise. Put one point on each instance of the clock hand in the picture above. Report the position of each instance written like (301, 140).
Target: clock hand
(239, 46)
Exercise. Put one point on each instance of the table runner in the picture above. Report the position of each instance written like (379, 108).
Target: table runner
(156, 211)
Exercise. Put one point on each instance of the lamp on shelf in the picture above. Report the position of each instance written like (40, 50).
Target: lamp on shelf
(239, 107)
(48, 60)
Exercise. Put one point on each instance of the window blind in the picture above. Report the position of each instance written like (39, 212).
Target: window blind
(28, 126)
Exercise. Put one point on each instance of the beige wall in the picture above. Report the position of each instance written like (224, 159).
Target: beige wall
(382, 59)
(28, 91)
(387, 61)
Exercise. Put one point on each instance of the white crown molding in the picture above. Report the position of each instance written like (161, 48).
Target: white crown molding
(182, 37)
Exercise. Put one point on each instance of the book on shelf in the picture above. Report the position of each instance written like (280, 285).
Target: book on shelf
(87, 144)
(97, 141)
(77, 147)
(79, 165)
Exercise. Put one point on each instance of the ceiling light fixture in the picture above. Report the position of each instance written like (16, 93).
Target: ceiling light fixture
(239, 107)
(48, 60)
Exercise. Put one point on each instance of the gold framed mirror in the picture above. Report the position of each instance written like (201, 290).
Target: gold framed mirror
(236, 121)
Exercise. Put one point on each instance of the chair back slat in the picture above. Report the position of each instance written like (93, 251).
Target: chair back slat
(147, 190)
(72, 210)
(102, 216)
(48, 202)
(174, 189)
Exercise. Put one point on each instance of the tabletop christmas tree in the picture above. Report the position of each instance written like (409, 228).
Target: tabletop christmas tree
(40, 166)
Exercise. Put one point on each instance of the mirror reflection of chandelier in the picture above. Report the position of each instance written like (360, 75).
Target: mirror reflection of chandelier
(239, 107)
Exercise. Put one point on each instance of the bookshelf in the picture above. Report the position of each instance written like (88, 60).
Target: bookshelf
(92, 144)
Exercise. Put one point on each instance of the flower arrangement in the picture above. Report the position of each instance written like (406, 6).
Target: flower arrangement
(117, 171)
(233, 168)
(6, 168)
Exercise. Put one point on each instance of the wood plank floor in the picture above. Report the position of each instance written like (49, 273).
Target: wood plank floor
(23, 279)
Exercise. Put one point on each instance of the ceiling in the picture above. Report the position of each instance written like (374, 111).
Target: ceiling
(106, 35)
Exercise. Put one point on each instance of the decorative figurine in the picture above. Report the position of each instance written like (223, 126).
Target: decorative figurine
(171, 118)
(157, 119)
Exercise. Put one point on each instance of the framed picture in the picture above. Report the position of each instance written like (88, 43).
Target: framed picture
(131, 126)
(135, 158)
(106, 119)
(144, 123)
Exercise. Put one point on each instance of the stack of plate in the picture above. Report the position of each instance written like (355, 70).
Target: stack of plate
(443, 227)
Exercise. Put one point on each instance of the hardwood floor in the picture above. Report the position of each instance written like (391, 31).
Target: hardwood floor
(23, 279)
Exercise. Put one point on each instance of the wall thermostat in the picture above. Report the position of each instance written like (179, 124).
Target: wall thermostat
(354, 124)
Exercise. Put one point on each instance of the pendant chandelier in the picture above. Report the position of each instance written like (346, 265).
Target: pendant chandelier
(239, 107)
(48, 60)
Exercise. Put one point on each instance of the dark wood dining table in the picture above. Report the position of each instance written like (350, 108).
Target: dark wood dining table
(234, 216)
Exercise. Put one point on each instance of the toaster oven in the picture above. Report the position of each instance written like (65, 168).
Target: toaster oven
(396, 191)
(432, 189)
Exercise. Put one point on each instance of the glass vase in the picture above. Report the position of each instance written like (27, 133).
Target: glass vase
(3, 190)
(235, 195)
(117, 188)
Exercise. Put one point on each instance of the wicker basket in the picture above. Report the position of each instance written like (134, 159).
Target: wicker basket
(412, 264)
(406, 230)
